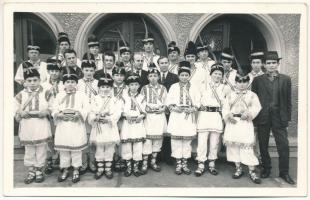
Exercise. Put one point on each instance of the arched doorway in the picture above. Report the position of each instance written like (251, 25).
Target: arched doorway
(131, 26)
(236, 32)
(30, 28)
(241, 31)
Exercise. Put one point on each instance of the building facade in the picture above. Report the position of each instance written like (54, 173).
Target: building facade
(278, 32)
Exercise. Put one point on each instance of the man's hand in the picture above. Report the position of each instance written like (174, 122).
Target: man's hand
(231, 119)
(176, 109)
(24, 114)
(43, 113)
(139, 118)
(244, 115)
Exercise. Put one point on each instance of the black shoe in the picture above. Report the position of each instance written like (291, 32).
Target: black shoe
(265, 173)
(39, 176)
(63, 176)
(238, 173)
(108, 174)
(200, 169)
(155, 167)
(213, 170)
(83, 170)
(75, 176)
(127, 172)
(49, 167)
(287, 179)
(30, 177)
(255, 179)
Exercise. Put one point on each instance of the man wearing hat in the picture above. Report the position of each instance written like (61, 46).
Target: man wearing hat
(93, 46)
(197, 76)
(149, 55)
(274, 92)
(173, 56)
(35, 62)
(229, 73)
(204, 61)
(125, 55)
(64, 45)
(256, 60)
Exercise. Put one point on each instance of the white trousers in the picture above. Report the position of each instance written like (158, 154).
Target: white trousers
(132, 151)
(68, 158)
(181, 148)
(243, 155)
(203, 147)
(35, 155)
(105, 152)
(152, 146)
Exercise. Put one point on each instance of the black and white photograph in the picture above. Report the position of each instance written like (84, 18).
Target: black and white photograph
(155, 100)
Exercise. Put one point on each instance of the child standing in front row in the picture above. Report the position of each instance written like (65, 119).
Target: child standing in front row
(209, 123)
(182, 101)
(155, 121)
(69, 112)
(103, 117)
(133, 131)
(240, 108)
(31, 111)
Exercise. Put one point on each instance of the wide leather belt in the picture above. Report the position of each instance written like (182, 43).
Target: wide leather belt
(236, 115)
(209, 109)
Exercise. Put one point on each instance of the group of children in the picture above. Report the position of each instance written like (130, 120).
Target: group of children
(111, 117)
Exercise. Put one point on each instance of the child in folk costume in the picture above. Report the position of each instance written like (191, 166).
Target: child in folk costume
(226, 58)
(105, 112)
(240, 108)
(119, 89)
(182, 101)
(52, 88)
(88, 85)
(32, 112)
(70, 110)
(155, 121)
(209, 122)
(133, 132)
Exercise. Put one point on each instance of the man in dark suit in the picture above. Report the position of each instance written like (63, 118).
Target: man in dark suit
(274, 92)
(137, 68)
(167, 79)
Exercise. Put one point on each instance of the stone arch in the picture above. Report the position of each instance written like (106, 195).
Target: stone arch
(267, 26)
(93, 20)
(51, 21)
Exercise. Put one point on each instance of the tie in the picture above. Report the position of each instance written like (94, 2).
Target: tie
(163, 78)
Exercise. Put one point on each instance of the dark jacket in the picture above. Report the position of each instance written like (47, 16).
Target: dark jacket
(170, 79)
(259, 86)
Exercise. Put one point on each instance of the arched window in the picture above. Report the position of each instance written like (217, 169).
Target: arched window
(29, 28)
(132, 28)
(236, 31)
